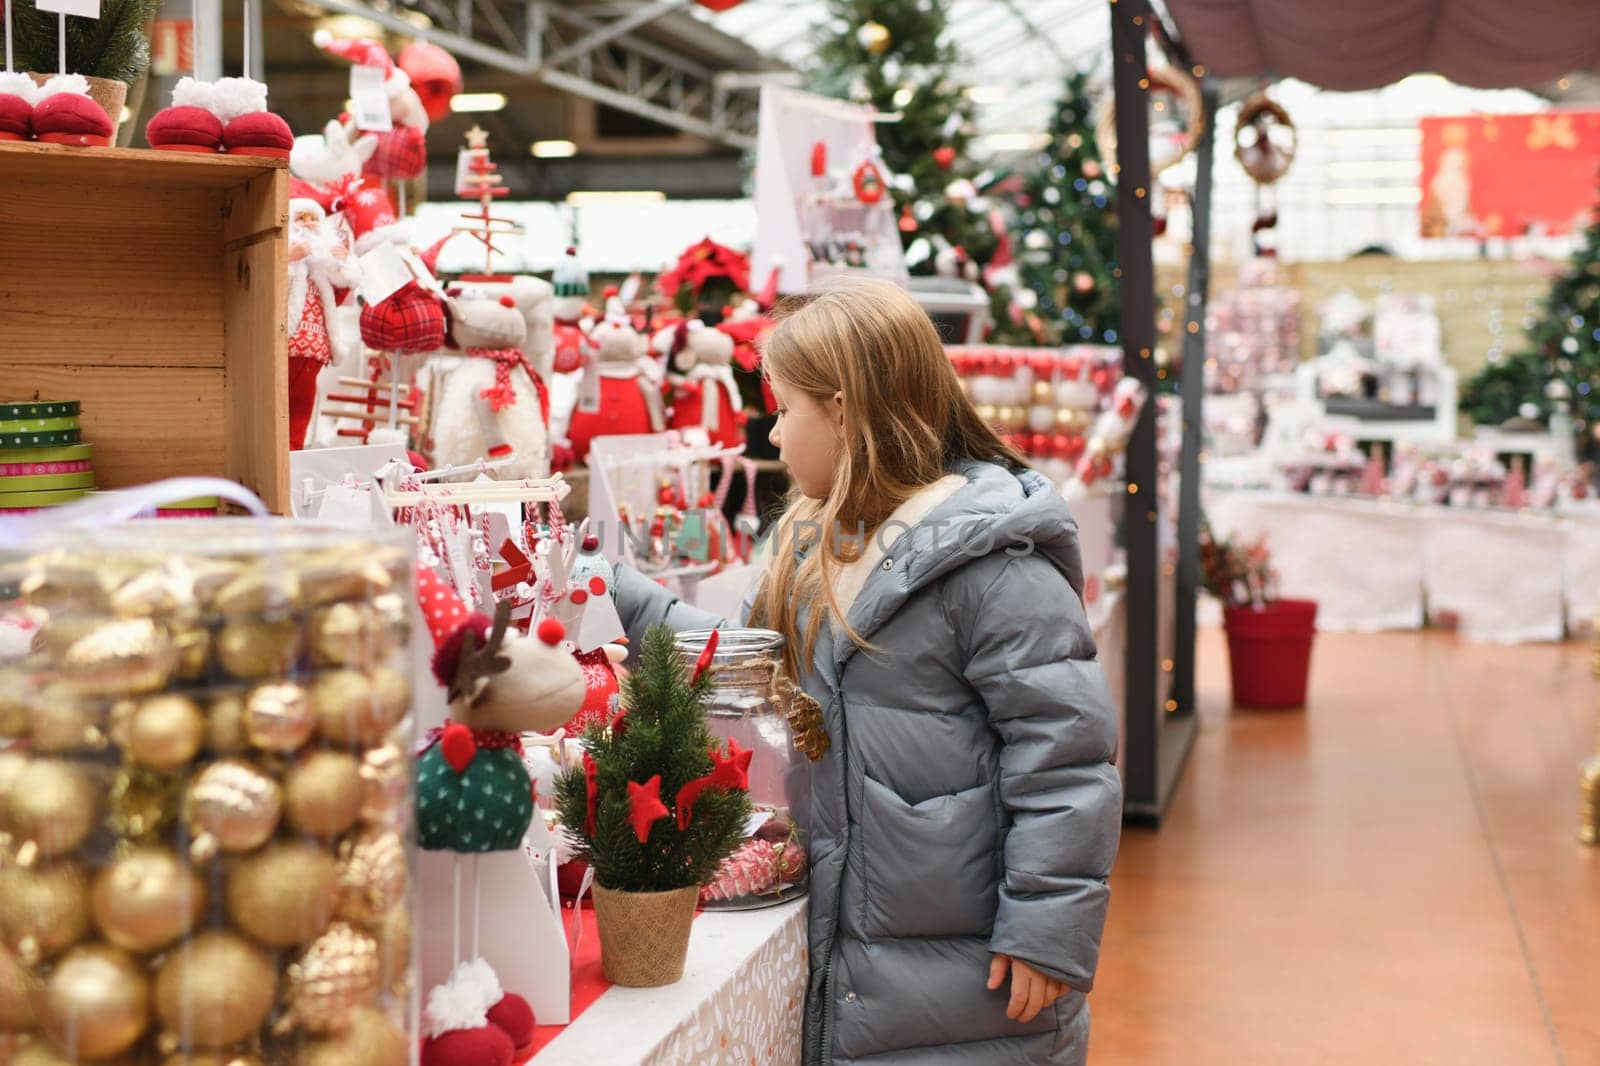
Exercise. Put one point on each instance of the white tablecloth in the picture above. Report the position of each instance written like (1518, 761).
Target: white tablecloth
(1374, 565)
(740, 1002)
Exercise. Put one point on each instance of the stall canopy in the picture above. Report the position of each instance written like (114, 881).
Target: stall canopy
(1364, 44)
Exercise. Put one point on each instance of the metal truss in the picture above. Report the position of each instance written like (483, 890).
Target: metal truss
(594, 51)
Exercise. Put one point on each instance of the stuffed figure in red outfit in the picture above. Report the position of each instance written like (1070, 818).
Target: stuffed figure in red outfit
(402, 152)
(319, 263)
(704, 391)
(628, 381)
(501, 685)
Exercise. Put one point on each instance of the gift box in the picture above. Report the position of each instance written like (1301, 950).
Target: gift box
(205, 820)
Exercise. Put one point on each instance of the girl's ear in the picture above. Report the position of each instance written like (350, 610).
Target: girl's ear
(838, 410)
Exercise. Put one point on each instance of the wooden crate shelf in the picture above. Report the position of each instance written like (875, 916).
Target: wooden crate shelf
(152, 286)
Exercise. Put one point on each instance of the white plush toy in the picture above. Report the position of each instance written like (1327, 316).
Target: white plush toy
(340, 152)
(492, 402)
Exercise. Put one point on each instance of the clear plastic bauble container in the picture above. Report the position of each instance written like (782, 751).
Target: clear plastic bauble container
(205, 794)
(752, 704)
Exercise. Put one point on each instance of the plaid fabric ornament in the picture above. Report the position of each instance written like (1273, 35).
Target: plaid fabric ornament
(410, 320)
(402, 154)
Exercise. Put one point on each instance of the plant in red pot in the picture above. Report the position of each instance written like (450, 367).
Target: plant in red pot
(1269, 638)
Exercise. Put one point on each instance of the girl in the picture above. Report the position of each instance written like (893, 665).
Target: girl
(964, 820)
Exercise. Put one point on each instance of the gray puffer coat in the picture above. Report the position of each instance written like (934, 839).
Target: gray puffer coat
(969, 803)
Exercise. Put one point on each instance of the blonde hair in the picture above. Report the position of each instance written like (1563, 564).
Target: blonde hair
(906, 421)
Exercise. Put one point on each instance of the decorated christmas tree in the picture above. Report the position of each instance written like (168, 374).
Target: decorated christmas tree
(657, 805)
(484, 184)
(1068, 228)
(1561, 369)
(895, 55)
(116, 45)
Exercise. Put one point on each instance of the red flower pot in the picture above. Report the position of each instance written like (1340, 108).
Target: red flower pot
(1269, 651)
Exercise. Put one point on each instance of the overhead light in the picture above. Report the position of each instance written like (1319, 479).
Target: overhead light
(1376, 168)
(1375, 196)
(1021, 141)
(1424, 79)
(613, 198)
(463, 102)
(554, 149)
(986, 94)
(1408, 135)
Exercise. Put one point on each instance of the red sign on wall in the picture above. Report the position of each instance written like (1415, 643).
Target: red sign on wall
(1509, 175)
(171, 47)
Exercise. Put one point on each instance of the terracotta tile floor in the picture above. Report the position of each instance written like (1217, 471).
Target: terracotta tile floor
(1391, 877)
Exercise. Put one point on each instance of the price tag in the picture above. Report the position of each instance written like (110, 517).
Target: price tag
(384, 272)
(345, 505)
(369, 100)
(84, 9)
(464, 173)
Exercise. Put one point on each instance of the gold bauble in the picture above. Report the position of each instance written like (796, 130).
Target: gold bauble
(18, 987)
(875, 37)
(193, 645)
(44, 910)
(394, 934)
(142, 804)
(1043, 393)
(55, 804)
(211, 576)
(386, 786)
(13, 762)
(254, 593)
(986, 411)
(278, 717)
(164, 592)
(394, 618)
(371, 1040)
(348, 634)
(322, 793)
(210, 1058)
(61, 722)
(343, 574)
(358, 710)
(166, 732)
(337, 975)
(40, 1052)
(147, 899)
(391, 693)
(254, 649)
(117, 659)
(96, 1002)
(373, 873)
(16, 697)
(285, 894)
(66, 581)
(234, 806)
(225, 734)
(1066, 420)
(215, 990)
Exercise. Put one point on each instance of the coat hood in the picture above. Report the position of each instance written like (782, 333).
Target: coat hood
(999, 510)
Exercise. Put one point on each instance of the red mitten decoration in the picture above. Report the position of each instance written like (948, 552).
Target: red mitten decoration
(411, 320)
(16, 118)
(489, 1046)
(402, 154)
(260, 133)
(515, 1018)
(184, 129)
(68, 118)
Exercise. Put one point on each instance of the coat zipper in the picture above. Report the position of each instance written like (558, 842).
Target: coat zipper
(838, 897)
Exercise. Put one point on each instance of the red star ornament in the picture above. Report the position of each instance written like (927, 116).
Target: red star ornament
(732, 771)
(688, 795)
(645, 808)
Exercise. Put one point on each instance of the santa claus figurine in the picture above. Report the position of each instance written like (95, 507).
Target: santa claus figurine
(704, 391)
(626, 381)
(319, 263)
(573, 346)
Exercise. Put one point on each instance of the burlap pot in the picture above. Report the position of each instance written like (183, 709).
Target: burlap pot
(644, 936)
(107, 92)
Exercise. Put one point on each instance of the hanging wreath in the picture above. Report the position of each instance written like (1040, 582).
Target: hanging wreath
(1265, 139)
(868, 181)
(1177, 119)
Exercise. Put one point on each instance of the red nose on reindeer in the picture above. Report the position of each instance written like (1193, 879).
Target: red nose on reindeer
(506, 301)
(552, 632)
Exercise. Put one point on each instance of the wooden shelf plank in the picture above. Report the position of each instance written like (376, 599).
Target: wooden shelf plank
(130, 166)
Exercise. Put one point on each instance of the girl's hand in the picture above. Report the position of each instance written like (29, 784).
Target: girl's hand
(1031, 991)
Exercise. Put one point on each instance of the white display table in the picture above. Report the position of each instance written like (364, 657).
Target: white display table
(740, 1002)
(1375, 564)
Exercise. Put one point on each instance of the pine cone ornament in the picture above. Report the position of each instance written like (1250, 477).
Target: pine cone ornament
(750, 871)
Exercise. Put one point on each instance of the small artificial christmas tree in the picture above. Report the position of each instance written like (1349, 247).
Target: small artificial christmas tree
(116, 45)
(1068, 225)
(1563, 367)
(484, 184)
(657, 806)
(893, 54)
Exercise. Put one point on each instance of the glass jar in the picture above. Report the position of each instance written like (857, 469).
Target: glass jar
(206, 798)
(752, 704)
